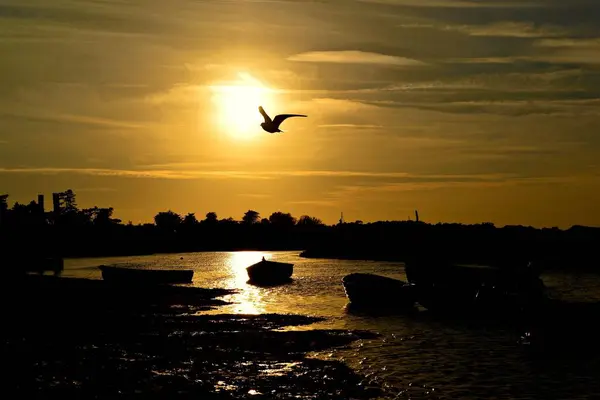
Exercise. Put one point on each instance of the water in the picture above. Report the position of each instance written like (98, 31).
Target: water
(415, 356)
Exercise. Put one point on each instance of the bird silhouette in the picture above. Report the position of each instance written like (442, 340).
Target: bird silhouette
(272, 125)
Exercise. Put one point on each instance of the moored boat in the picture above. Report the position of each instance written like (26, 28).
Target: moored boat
(140, 276)
(25, 263)
(270, 272)
(370, 290)
(465, 288)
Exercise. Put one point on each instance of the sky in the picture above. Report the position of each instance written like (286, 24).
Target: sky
(466, 110)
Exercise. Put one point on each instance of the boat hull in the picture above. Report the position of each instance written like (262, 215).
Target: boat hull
(32, 264)
(465, 288)
(145, 276)
(369, 290)
(270, 272)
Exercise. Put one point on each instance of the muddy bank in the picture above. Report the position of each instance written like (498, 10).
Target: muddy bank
(62, 341)
(88, 295)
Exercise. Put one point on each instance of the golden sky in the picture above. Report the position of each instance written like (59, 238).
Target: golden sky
(468, 111)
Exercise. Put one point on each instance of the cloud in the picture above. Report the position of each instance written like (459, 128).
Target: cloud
(77, 119)
(96, 189)
(354, 191)
(355, 57)
(184, 165)
(231, 174)
(254, 195)
(317, 203)
(513, 29)
(147, 174)
(457, 3)
(569, 43)
(569, 50)
(90, 120)
(500, 106)
(488, 60)
(351, 126)
(307, 173)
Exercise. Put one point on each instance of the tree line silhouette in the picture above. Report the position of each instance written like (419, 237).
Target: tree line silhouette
(70, 231)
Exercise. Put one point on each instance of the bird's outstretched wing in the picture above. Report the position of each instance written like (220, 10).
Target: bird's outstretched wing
(282, 117)
(264, 114)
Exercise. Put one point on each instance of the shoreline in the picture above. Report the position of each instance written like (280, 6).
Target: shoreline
(82, 337)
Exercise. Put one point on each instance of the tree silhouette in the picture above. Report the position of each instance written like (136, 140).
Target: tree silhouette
(190, 220)
(251, 217)
(211, 217)
(167, 220)
(98, 216)
(306, 220)
(228, 221)
(282, 220)
(68, 202)
(94, 232)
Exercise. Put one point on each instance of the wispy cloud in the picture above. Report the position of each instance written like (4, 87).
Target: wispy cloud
(457, 3)
(308, 173)
(346, 191)
(147, 174)
(78, 119)
(511, 29)
(570, 42)
(515, 29)
(224, 174)
(183, 165)
(569, 50)
(317, 203)
(488, 60)
(350, 126)
(355, 57)
(514, 108)
(90, 120)
(96, 189)
(254, 195)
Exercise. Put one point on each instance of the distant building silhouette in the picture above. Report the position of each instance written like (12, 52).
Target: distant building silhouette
(41, 203)
(56, 205)
(3, 207)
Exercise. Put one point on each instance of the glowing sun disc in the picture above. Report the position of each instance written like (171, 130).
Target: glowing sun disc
(237, 107)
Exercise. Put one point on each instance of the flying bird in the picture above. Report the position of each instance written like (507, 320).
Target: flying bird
(272, 125)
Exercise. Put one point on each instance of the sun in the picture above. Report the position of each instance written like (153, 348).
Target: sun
(237, 106)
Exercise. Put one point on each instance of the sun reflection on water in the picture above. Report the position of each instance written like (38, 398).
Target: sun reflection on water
(250, 298)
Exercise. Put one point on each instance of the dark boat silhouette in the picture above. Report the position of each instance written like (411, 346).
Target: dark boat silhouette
(270, 272)
(465, 288)
(140, 276)
(376, 291)
(26, 263)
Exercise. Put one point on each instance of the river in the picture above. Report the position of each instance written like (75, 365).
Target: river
(415, 356)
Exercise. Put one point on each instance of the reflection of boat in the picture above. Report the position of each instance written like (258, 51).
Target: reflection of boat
(145, 276)
(270, 272)
(378, 291)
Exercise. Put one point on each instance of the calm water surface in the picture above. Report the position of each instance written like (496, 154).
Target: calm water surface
(416, 356)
